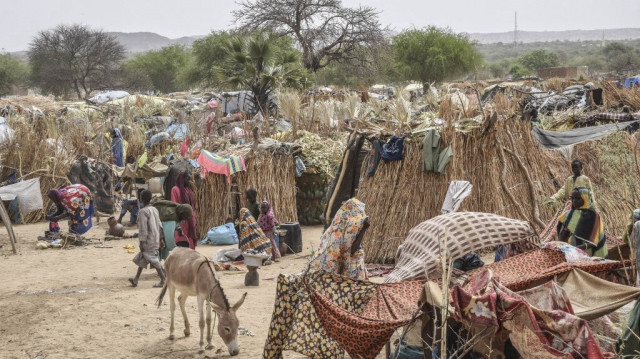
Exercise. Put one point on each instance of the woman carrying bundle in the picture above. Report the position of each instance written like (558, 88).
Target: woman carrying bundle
(581, 226)
(268, 222)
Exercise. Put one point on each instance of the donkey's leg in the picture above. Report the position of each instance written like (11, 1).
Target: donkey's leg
(201, 322)
(182, 299)
(209, 329)
(172, 308)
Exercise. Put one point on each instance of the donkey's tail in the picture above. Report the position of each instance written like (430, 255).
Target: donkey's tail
(162, 293)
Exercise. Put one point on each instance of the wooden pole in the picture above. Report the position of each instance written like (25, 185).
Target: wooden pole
(7, 223)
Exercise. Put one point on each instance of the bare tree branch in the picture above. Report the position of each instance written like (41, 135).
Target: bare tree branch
(324, 30)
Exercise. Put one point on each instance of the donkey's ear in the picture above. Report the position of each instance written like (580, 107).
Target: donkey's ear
(239, 303)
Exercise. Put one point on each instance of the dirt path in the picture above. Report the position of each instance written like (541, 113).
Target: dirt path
(77, 303)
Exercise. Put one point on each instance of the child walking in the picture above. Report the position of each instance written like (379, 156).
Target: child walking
(149, 230)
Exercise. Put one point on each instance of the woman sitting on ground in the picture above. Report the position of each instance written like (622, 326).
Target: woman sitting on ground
(268, 222)
(252, 238)
(581, 226)
(74, 202)
(340, 251)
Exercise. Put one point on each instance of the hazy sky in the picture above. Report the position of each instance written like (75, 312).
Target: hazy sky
(23, 19)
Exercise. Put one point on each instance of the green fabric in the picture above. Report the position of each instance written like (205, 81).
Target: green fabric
(171, 211)
(628, 344)
(430, 151)
(434, 159)
(443, 160)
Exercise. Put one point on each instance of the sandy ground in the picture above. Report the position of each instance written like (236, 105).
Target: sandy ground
(77, 303)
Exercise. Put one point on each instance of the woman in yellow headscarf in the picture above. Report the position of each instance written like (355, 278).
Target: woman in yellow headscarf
(581, 226)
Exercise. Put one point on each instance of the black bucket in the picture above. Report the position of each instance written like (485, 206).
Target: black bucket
(294, 237)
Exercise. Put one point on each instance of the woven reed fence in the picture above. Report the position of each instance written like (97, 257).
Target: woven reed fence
(400, 195)
(273, 176)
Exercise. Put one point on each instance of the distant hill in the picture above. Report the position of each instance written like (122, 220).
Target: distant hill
(137, 42)
(545, 36)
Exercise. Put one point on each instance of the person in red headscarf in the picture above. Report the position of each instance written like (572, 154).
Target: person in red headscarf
(182, 193)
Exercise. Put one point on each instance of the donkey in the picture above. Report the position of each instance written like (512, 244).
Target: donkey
(192, 274)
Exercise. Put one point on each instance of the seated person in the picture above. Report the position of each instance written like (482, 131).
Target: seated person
(115, 228)
(581, 226)
(340, 251)
(132, 206)
(635, 217)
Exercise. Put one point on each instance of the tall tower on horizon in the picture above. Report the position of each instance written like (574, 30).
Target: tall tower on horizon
(515, 30)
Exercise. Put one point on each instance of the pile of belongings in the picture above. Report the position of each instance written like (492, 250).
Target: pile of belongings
(548, 102)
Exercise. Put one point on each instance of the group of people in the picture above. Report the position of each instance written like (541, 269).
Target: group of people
(157, 238)
(257, 226)
(580, 225)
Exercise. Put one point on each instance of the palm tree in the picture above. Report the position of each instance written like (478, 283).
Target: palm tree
(261, 63)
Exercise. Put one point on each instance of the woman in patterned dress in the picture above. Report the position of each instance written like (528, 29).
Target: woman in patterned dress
(74, 202)
(340, 251)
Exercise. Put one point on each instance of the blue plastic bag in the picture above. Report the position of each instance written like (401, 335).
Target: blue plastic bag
(221, 235)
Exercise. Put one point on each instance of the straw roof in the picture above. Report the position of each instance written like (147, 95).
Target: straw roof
(401, 196)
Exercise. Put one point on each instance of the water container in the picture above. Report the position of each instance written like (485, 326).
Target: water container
(294, 237)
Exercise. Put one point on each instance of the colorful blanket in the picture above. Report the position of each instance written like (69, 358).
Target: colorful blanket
(540, 325)
(227, 166)
(535, 267)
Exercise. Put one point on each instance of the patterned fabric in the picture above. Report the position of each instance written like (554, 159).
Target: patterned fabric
(538, 266)
(466, 232)
(78, 202)
(267, 221)
(540, 326)
(362, 306)
(364, 334)
(583, 226)
(251, 236)
(335, 252)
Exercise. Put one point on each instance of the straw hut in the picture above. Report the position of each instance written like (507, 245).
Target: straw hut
(269, 169)
(509, 172)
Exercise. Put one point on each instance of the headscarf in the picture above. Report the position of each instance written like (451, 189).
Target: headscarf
(252, 237)
(267, 221)
(334, 254)
(117, 147)
(585, 226)
(54, 195)
(187, 197)
(186, 193)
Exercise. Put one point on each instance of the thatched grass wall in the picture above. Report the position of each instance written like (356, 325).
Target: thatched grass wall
(273, 176)
(400, 195)
(212, 201)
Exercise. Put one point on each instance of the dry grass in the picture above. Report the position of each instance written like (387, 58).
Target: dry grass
(273, 176)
